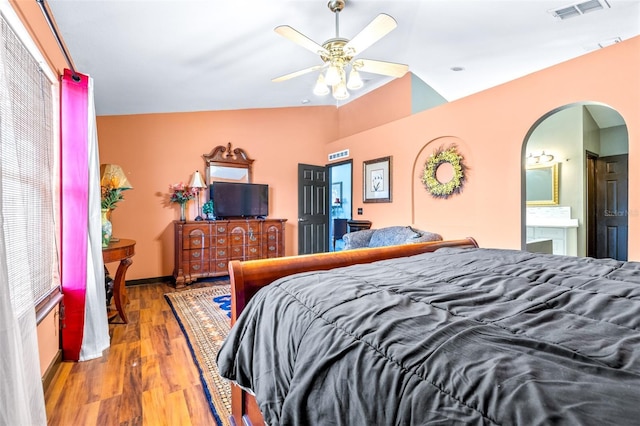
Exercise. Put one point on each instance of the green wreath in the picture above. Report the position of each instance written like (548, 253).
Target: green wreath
(436, 188)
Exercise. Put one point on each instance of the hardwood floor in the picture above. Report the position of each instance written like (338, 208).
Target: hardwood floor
(146, 377)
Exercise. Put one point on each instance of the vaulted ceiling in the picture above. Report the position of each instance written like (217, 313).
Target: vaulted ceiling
(148, 56)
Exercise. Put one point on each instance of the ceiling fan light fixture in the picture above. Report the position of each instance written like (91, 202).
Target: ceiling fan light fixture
(333, 76)
(355, 81)
(321, 88)
(338, 54)
(340, 91)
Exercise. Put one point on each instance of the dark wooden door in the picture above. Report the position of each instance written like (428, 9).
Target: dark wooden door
(313, 213)
(612, 207)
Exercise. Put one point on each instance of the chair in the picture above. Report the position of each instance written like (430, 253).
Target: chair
(339, 229)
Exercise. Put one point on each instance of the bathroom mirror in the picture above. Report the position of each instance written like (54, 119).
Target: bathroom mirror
(223, 164)
(542, 185)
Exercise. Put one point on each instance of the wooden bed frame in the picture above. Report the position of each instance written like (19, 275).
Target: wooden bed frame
(249, 276)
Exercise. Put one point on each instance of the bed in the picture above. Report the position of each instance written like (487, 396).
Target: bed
(434, 333)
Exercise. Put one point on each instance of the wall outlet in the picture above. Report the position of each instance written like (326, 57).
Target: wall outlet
(359, 210)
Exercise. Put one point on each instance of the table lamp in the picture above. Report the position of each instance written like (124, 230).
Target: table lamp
(198, 184)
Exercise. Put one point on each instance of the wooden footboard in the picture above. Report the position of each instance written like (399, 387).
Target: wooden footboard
(248, 277)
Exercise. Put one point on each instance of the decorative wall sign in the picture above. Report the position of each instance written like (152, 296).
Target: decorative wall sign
(377, 180)
(441, 156)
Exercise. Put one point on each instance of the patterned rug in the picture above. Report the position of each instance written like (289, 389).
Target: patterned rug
(203, 315)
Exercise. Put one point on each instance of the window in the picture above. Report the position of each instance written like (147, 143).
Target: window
(28, 165)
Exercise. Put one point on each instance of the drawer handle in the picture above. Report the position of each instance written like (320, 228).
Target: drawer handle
(253, 250)
(195, 267)
(196, 254)
(196, 242)
(220, 240)
(272, 248)
(220, 229)
(222, 264)
(272, 237)
(222, 252)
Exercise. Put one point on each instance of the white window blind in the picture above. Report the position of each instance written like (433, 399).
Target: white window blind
(28, 166)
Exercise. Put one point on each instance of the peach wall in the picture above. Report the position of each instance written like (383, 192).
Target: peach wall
(490, 128)
(388, 103)
(156, 150)
(48, 339)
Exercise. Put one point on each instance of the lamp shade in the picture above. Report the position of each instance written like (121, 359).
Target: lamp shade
(111, 175)
(340, 91)
(321, 88)
(333, 76)
(355, 81)
(196, 180)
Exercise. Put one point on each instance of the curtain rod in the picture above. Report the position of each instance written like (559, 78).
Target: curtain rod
(45, 12)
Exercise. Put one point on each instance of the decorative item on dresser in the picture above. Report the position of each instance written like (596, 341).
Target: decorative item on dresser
(197, 184)
(181, 194)
(204, 248)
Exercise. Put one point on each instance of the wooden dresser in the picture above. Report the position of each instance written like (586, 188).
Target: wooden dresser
(204, 249)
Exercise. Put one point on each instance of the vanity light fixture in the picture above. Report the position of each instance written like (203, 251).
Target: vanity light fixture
(541, 158)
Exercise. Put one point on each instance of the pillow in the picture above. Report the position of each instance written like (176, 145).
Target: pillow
(392, 235)
(427, 236)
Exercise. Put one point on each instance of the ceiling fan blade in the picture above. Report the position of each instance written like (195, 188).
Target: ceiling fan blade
(301, 39)
(381, 67)
(296, 73)
(381, 25)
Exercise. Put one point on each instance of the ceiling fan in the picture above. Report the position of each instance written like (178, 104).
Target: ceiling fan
(338, 53)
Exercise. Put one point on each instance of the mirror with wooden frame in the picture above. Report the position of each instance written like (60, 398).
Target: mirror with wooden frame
(542, 185)
(223, 164)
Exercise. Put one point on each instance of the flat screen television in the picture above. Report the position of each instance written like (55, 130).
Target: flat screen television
(239, 199)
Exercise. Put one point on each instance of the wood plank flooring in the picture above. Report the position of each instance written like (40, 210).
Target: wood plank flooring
(146, 377)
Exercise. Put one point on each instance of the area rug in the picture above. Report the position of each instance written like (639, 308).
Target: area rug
(204, 317)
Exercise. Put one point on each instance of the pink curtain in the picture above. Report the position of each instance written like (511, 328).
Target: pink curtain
(74, 204)
(85, 334)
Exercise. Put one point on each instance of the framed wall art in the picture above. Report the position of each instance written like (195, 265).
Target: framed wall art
(377, 180)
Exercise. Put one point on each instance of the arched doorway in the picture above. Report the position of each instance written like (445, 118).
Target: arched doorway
(584, 144)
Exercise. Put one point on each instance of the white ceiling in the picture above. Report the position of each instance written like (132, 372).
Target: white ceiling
(149, 56)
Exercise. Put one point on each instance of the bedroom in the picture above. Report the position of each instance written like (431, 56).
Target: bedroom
(490, 131)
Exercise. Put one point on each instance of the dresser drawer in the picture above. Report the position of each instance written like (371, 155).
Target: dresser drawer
(220, 253)
(196, 238)
(271, 249)
(253, 252)
(199, 267)
(219, 240)
(195, 255)
(220, 228)
(220, 267)
(237, 252)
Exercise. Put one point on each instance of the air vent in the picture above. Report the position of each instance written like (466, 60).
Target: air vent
(338, 155)
(578, 9)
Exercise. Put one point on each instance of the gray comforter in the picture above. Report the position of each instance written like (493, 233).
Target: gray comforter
(459, 336)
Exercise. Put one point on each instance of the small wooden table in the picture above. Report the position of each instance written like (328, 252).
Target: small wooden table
(122, 251)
